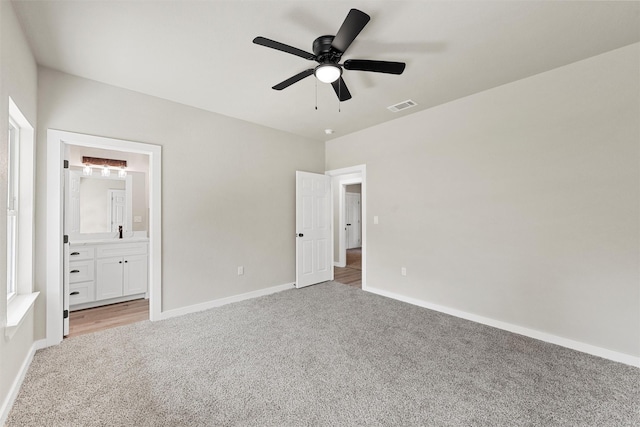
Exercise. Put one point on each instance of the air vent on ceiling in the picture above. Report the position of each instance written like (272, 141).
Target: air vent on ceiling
(402, 105)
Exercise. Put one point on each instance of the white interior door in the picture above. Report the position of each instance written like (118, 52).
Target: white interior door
(353, 226)
(71, 215)
(314, 246)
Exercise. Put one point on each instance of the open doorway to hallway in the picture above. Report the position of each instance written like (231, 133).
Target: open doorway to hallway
(349, 225)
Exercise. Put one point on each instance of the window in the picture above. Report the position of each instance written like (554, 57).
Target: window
(13, 179)
(20, 157)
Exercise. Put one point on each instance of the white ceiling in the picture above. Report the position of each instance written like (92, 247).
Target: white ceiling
(200, 53)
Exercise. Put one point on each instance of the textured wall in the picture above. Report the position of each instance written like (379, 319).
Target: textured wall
(520, 203)
(18, 79)
(227, 185)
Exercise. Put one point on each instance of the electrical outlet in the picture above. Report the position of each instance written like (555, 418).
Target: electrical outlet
(240, 271)
(137, 219)
(375, 219)
(403, 271)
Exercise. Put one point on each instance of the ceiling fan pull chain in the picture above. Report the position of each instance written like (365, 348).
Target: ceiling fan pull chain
(339, 95)
(316, 94)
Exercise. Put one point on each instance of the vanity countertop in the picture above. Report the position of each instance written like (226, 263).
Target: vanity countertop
(109, 241)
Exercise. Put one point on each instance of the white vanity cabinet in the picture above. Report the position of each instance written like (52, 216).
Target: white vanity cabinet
(106, 273)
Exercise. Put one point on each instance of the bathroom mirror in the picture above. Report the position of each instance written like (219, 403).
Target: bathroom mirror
(97, 206)
(102, 204)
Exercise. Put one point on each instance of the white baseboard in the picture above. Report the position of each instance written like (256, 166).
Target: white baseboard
(531, 333)
(223, 301)
(339, 264)
(17, 382)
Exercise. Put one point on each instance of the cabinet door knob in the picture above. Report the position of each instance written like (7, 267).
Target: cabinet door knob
(126, 262)
(300, 235)
(75, 271)
(75, 253)
(119, 262)
(75, 293)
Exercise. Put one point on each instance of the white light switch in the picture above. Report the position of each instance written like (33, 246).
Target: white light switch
(240, 271)
(403, 271)
(375, 219)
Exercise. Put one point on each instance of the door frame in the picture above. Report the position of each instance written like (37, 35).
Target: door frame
(56, 140)
(362, 171)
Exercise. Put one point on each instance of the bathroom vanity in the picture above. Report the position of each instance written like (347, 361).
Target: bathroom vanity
(106, 272)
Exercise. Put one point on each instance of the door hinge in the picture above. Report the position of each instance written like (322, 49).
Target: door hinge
(65, 239)
(65, 164)
(65, 314)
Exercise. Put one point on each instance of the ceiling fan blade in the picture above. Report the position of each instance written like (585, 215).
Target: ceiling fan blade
(294, 79)
(351, 27)
(262, 41)
(374, 66)
(341, 90)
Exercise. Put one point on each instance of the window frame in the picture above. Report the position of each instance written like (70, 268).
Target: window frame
(20, 218)
(13, 203)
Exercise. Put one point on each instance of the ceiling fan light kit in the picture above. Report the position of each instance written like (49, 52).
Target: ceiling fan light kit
(328, 51)
(327, 73)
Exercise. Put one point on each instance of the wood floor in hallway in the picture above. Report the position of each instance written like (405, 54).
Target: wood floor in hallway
(351, 274)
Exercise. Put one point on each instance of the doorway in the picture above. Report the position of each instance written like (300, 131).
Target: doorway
(57, 141)
(349, 225)
(106, 221)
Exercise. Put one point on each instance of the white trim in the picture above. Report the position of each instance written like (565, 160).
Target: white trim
(17, 382)
(362, 170)
(531, 333)
(55, 141)
(26, 199)
(17, 309)
(223, 301)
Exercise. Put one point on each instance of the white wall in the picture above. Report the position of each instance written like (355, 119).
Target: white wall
(520, 203)
(228, 185)
(17, 80)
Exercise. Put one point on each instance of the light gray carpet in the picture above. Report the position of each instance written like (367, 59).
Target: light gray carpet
(324, 355)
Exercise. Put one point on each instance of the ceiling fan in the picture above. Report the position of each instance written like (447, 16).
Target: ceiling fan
(328, 50)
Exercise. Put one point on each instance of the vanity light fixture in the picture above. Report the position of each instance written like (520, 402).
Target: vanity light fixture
(104, 165)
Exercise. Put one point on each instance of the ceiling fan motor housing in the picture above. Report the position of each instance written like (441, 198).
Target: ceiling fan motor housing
(324, 52)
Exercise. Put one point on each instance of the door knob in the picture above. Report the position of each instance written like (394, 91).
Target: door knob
(300, 235)
(348, 224)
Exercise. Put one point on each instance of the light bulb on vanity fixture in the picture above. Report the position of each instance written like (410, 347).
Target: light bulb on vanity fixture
(104, 165)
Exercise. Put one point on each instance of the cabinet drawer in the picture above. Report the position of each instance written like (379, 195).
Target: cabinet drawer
(124, 249)
(81, 252)
(80, 293)
(81, 271)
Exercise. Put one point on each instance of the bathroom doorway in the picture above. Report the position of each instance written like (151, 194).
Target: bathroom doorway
(142, 259)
